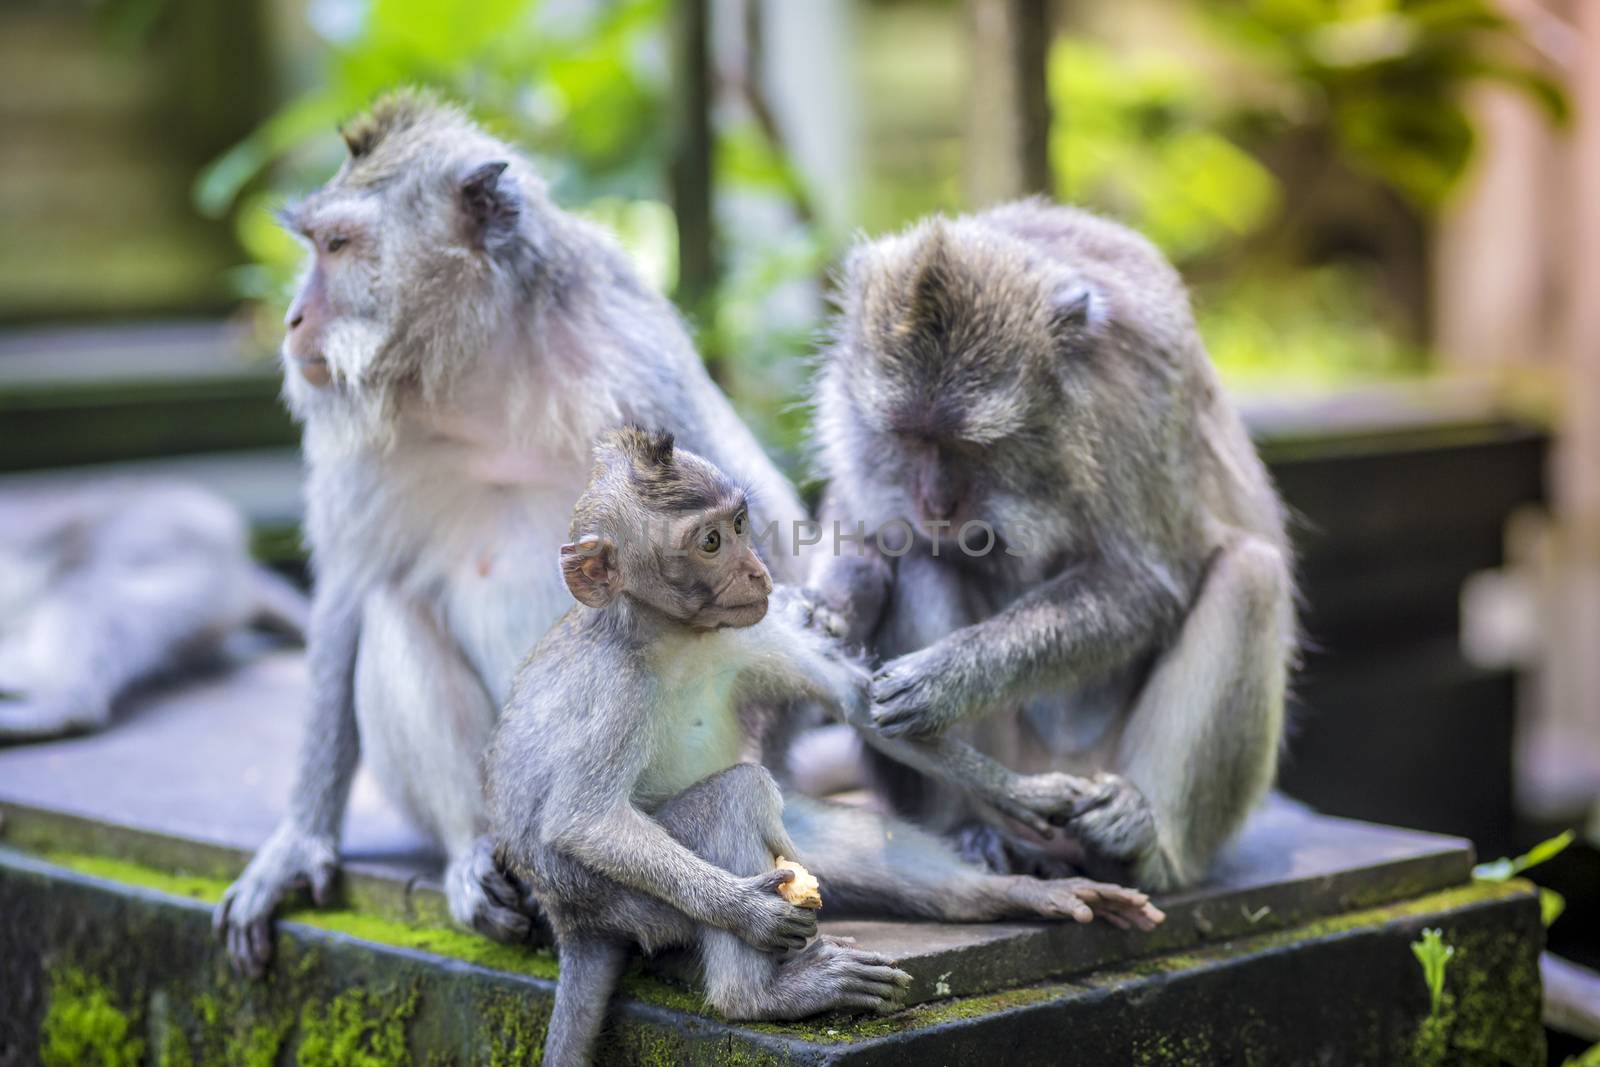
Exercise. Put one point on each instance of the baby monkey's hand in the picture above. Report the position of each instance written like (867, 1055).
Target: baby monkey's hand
(770, 923)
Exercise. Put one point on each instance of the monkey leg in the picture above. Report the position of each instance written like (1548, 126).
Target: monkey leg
(735, 820)
(1200, 747)
(425, 721)
(869, 864)
(732, 819)
(159, 577)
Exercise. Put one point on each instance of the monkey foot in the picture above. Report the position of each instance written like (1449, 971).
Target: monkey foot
(1082, 900)
(487, 899)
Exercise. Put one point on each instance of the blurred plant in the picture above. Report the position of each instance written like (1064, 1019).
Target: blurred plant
(1589, 1057)
(1314, 117)
(1139, 137)
(1551, 903)
(1385, 77)
(1311, 327)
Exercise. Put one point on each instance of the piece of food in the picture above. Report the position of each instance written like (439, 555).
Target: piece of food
(802, 891)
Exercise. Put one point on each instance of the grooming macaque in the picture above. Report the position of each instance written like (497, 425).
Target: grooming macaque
(1075, 560)
(107, 584)
(617, 790)
(456, 345)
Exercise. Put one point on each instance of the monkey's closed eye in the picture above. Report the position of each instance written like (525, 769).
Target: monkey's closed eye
(710, 541)
(336, 243)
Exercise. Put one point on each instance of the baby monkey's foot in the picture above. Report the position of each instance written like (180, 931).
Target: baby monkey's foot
(832, 974)
(488, 899)
(1082, 900)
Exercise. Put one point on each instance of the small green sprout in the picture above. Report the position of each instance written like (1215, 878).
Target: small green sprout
(1551, 903)
(1433, 954)
(1503, 868)
(1590, 1057)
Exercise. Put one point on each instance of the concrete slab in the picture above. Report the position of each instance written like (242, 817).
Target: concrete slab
(192, 776)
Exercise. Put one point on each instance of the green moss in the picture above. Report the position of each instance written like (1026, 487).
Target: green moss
(1492, 974)
(439, 940)
(84, 1027)
(515, 1029)
(358, 1029)
(194, 887)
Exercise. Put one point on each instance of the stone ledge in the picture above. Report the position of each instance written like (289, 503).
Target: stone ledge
(1344, 989)
(196, 775)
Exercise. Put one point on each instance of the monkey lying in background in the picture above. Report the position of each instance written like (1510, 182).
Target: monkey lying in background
(106, 584)
(1079, 563)
(617, 792)
(456, 346)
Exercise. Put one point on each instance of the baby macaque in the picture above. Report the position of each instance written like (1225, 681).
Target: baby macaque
(616, 782)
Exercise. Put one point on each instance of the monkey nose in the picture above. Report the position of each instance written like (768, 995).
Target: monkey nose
(762, 579)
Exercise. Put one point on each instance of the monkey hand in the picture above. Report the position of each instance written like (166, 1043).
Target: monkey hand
(803, 606)
(1115, 821)
(1043, 802)
(920, 694)
(487, 899)
(292, 859)
(768, 922)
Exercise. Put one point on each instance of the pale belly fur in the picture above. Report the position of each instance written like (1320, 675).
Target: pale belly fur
(696, 731)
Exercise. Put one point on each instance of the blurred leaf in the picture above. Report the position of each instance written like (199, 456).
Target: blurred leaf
(1501, 869)
(1551, 905)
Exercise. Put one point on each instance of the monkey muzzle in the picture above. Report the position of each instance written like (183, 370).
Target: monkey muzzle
(314, 369)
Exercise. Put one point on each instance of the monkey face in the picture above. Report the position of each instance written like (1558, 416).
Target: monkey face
(677, 538)
(415, 247)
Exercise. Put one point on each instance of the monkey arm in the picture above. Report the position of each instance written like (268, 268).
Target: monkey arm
(1085, 623)
(331, 746)
(633, 849)
(304, 847)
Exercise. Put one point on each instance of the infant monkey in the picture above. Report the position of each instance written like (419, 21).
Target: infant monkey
(615, 782)
(616, 787)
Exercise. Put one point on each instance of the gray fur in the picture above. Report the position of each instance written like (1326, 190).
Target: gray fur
(1037, 369)
(108, 584)
(619, 794)
(457, 344)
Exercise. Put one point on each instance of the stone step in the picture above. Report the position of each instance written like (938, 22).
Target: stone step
(110, 965)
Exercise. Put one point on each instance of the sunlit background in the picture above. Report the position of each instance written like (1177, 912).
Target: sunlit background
(1387, 211)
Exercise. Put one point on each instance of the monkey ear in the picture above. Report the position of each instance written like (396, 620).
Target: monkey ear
(490, 206)
(1077, 309)
(589, 566)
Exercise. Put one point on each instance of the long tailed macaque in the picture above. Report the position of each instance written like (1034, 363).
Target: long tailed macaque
(456, 346)
(617, 789)
(1075, 563)
(107, 584)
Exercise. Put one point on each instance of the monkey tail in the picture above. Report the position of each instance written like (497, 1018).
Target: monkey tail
(279, 605)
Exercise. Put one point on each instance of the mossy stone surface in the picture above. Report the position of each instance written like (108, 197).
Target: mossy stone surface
(115, 964)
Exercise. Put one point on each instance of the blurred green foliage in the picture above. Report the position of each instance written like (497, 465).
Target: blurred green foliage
(1186, 151)
(1385, 77)
(1189, 152)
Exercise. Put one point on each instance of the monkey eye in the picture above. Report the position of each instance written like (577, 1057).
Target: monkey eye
(738, 523)
(336, 243)
(710, 541)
